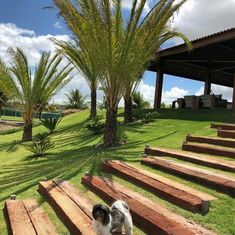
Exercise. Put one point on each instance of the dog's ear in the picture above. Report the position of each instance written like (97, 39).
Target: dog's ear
(106, 209)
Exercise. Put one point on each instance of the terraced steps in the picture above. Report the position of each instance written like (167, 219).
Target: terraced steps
(150, 217)
(211, 140)
(203, 160)
(226, 134)
(26, 217)
(223, 126)
(209, 149)
(214, 180)
(72, 207)
(159, 187)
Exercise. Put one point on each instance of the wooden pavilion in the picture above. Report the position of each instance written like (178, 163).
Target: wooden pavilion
(212, 60)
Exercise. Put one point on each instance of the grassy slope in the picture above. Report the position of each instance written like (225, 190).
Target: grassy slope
(74, 154)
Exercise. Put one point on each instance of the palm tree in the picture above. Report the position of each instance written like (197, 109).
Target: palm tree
(85, 64)
(18, 83)
(122, 50)
(2, 101)
(76, 100)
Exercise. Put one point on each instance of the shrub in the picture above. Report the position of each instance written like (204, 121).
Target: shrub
(148, 117)
(40, 144)
(51, 123)
(95, 125)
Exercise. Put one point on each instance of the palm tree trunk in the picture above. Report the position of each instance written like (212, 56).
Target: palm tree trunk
(28, 131)
(128, 110)
(93, 111)
(110, 134)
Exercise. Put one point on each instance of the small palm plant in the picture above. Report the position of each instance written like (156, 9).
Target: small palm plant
(30, 91)
(51, 123)
(40, 145)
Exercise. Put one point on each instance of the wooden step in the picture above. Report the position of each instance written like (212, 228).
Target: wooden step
(226, 134)
(209, 149)
(150, 217)
(160, 188)
(75, 217)
(203, 160)
(211, 140)
(26, 217)
(214, 180)
(223, 126)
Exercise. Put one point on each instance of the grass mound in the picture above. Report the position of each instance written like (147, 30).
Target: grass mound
(75, 153)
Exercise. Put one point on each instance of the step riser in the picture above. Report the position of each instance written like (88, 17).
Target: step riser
(158, 152)
(207, 150)
(74, 218)
(199, 178)
(152, 223)
(223, 127)
(173, 195)
(224, 143)
(226, 134)
(63, 216)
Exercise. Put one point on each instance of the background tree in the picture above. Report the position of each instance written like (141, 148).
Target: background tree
(18, 84)
(139, 102)
(76, 100)
(122, 49)
(85, 63)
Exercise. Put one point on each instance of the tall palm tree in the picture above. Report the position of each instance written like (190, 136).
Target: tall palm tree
(122, 49)
(18, 83)
(85, 64)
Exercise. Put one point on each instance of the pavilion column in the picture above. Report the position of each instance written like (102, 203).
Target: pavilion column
(207, 88)
(234, 93)
(158, 88)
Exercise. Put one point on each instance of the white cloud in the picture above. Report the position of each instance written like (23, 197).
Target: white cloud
(168, 96)
(127, 4)
(58, 25)
(31, 44)
(199, 18)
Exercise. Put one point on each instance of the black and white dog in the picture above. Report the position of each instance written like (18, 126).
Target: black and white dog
(108, 222)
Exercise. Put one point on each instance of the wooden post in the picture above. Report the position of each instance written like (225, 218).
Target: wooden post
(234, 94)
(158, 88)
(207, 89)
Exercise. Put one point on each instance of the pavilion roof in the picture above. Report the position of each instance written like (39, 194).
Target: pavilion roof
(214, 53)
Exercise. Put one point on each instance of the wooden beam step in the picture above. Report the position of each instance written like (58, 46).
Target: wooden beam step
(211, 140)
(214, 180)
(159, 187)
(76, 218)
(226, 134)
(26, 217)
(223, 126)
(150, 217)
(209, 149)
(203, 160)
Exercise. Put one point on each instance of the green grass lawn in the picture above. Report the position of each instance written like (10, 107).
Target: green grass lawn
(75, 152)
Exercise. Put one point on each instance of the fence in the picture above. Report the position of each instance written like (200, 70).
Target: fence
(15, 113)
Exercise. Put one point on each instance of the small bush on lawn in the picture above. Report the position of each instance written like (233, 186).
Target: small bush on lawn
(148, 117)
(96, 125)
(40, 145)
(51, 123)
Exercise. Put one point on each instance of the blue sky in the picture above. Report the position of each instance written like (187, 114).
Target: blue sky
(29, 15)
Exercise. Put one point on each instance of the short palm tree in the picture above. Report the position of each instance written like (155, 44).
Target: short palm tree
(121, 49)
(18, 83)
(76, 100)
(85, 64)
